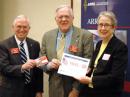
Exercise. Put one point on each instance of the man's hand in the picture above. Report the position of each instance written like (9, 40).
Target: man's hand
(74, 93)
(54, 64)
(84, 80)
(89, 70)
(29, 64)
(39, 94)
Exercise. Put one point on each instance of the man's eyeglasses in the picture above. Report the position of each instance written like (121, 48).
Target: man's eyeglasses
(104, 25)
(66, 17)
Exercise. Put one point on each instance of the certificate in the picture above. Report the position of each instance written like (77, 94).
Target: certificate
(73, 65)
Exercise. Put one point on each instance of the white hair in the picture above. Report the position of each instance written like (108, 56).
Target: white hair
(21, 17)
(66, 6)
(110, 15)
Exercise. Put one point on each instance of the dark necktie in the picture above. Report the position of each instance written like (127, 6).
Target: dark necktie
(24, 59)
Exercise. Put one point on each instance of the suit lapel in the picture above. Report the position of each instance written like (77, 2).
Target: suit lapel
(109, 47)
(75, 38)
(97, 49)
(53, 43)
(14, 45)
(30, 45)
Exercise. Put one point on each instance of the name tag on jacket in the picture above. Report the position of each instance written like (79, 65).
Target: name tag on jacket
(106, 57)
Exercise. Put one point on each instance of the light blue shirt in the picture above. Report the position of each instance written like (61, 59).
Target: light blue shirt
(67, 39)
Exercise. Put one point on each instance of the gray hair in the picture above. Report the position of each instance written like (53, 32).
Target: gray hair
(21, 17)
(66, 6)
(110, 15)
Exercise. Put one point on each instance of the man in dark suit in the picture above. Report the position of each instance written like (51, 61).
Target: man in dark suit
(78, 42)
(12, 69)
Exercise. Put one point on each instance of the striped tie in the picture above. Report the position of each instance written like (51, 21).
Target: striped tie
(24, 59)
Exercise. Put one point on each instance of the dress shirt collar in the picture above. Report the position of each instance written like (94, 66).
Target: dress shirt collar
(67, 33)
(18, 41)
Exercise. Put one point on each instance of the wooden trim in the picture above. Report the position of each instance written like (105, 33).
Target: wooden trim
(72, 4)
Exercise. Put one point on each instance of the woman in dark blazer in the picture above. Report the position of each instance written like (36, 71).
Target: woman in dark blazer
(108, 63)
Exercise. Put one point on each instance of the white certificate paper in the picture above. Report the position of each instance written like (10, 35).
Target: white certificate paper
(73, 65)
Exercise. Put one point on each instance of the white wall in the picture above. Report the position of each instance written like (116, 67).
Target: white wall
(41, 14)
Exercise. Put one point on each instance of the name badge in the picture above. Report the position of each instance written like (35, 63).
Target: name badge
(106, 56)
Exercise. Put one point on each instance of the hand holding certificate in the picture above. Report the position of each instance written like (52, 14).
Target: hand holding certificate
(73, 65)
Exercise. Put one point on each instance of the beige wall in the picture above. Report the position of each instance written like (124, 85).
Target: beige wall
(41, 14)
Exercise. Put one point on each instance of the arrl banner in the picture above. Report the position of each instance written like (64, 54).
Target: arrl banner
(89, 12)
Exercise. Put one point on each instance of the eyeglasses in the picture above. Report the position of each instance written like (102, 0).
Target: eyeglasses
(66, 17)
(22, 27)
(104, 25)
